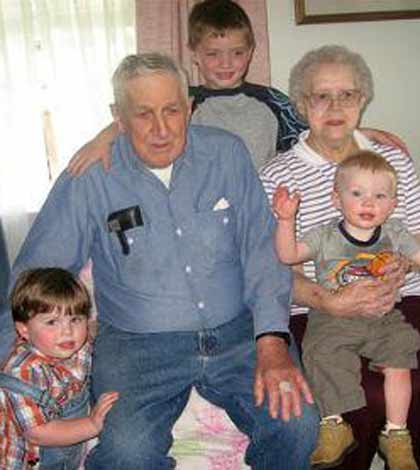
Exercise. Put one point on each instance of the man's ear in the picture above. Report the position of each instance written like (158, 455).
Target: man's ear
(22, 329)
(116, 114)
(190, 104)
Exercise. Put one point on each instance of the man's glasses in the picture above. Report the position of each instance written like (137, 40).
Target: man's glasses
(323, 100)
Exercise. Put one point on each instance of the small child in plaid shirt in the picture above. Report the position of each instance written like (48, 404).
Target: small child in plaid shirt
(44, 386)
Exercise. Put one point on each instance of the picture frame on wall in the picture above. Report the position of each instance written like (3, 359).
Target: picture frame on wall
(333, 11)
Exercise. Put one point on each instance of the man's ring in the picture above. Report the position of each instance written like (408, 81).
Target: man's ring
(285, 386)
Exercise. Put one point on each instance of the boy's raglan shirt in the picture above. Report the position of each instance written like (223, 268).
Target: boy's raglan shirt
(289, 124)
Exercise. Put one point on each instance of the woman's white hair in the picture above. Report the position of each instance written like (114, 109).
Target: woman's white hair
(301, 73)
(137, 65)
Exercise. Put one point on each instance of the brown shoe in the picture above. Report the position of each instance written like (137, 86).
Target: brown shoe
(335, 441)
(397, 450)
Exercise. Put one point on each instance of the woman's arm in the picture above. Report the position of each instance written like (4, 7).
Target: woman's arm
(363, 298)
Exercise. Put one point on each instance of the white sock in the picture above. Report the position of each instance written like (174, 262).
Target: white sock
(393, 427)
(337, 418)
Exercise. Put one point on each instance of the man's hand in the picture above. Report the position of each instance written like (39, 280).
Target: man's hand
(275, 367)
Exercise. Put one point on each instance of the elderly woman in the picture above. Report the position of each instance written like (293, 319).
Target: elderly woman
(330, 87)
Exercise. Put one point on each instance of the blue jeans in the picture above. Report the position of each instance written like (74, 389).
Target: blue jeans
(154, 374)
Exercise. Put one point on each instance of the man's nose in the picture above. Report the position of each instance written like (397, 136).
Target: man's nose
(160, 126)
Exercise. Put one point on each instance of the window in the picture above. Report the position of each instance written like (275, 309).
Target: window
(56, 63)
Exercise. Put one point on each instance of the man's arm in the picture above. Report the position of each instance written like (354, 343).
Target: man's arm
(267, 293)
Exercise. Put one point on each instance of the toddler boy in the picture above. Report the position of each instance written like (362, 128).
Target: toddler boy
(44, 385)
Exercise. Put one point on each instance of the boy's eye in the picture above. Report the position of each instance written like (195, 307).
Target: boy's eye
(356, 193)
(77, 319)
(51, 322)
(381, 196)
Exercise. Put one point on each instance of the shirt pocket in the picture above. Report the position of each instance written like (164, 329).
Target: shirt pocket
(135, 238)
(217, 229)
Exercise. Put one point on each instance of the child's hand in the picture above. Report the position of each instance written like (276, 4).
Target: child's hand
(100, 410)
(97, 149)
(284, 205)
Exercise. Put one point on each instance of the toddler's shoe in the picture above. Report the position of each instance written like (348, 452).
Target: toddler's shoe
(335, 441)
(397, 450)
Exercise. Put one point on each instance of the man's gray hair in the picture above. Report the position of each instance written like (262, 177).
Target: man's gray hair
(331, 54)
(137, 65)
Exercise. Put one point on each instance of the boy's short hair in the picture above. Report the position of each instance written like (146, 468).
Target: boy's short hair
(368, 161)
(217, 17)
(42, 290)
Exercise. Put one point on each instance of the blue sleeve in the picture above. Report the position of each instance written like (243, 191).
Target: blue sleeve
(60, 236)
(267, 281)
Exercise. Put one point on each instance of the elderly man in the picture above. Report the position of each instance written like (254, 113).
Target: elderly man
(188, 289)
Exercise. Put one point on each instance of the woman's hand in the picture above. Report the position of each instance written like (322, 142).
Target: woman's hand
(396, 269)
(366, 298)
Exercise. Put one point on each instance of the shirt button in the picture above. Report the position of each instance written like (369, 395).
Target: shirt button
(225, 220)
(178, 231)
(188, 269)
(130, 241)
(200, 305)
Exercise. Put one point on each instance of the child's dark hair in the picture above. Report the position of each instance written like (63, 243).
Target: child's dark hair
(217, 17)
(42, 290)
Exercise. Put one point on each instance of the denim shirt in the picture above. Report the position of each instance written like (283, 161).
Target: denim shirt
(203, 254)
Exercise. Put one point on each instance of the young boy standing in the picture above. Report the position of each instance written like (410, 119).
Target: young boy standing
(345, 251)
(222, 42)
(44, 386)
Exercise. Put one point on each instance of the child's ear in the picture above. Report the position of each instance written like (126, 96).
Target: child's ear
(336, 199)
(22, 329)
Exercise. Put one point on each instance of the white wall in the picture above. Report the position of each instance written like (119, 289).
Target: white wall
(391, 49)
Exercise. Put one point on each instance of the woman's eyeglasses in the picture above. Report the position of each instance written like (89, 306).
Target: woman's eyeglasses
(323, 100)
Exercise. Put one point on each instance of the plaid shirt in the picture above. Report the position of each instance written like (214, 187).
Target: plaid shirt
(64, 379)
